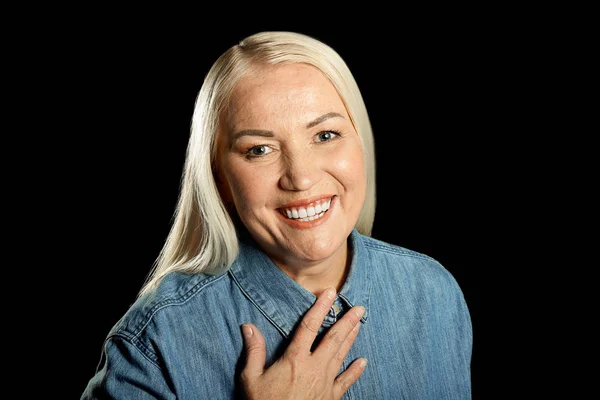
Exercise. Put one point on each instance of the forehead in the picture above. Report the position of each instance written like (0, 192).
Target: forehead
(279, 92)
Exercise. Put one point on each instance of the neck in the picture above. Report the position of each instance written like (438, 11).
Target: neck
(313, 276)
(317, 276)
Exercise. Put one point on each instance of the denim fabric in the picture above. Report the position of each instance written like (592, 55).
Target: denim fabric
(184, 339)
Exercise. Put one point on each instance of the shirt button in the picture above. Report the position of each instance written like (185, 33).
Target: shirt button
(336, 309)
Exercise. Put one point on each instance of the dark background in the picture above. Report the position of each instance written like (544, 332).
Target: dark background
(129, 88)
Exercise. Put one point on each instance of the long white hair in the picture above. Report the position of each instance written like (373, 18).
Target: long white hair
(203, 237)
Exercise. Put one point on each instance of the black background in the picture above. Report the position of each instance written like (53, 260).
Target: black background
(129, 86)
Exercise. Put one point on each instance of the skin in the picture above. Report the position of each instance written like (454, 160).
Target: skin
(300, 373)
(298, 162)
(301, 158)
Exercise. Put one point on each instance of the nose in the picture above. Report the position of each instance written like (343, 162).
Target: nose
(300, 172)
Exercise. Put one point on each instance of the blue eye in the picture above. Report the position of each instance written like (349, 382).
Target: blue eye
(258, 151)
(326, 136)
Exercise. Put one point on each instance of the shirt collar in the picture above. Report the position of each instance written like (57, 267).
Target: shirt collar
(280, 298)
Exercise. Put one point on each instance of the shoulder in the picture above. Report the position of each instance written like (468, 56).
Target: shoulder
(409, 266)
(379, 246)
(176, 293)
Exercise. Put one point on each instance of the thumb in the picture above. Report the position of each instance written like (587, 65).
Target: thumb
(256, 350)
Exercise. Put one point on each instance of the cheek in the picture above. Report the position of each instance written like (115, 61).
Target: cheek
(249, 186)
(349, 166)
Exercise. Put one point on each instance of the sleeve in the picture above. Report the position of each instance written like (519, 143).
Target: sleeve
(127, 373)
(456, 344)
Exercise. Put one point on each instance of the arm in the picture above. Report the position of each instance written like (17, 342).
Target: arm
(454, 343)
(127, 373)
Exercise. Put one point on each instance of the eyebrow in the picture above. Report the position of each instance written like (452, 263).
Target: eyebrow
(263, 133)
(323, 118)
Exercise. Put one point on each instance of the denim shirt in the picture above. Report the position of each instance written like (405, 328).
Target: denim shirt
(183, 340)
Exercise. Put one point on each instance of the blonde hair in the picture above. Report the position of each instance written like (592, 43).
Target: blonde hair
(203, 238)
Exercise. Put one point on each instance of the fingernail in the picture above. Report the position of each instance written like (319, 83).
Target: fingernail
(330, 293)
(360, 311)
(363, 362)
(247, 331)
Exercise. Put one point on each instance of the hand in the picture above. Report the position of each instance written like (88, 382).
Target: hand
(300, 374)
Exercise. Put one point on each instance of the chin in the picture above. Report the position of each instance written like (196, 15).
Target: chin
(321, 248)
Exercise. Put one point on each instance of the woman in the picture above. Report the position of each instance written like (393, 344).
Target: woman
(269, 285)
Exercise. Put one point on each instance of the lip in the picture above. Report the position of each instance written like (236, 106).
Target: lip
(294, 223)
(306, 202)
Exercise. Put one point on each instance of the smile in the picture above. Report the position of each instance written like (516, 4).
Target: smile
(307, 216)
(311, 212)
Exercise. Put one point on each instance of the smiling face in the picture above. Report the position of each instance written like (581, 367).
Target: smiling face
(291, 162)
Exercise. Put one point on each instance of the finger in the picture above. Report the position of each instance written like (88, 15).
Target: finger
(333, 340)
(339, 358)
(311, 322)
(347, 378)
(256, 352)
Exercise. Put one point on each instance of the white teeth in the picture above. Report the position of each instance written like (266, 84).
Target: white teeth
(317, 216)
(310, 213)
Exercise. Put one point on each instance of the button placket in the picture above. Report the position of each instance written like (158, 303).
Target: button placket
(334, 313)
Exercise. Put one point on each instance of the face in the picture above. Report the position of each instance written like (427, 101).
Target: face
(291, 163)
